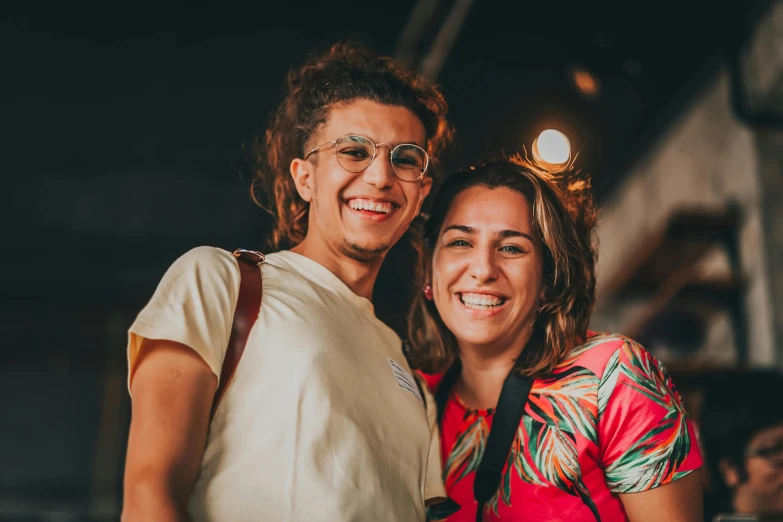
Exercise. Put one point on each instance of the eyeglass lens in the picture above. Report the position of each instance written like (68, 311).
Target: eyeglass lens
(355, 153)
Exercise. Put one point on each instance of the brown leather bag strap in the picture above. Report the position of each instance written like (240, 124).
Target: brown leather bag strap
(245, 315)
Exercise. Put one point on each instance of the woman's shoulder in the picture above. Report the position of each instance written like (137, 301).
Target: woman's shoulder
(432, 380)
(602, 349)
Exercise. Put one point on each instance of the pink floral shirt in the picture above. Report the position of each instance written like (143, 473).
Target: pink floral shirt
(608, 420)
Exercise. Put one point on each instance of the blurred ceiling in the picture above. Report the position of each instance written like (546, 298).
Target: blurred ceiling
(124, 123)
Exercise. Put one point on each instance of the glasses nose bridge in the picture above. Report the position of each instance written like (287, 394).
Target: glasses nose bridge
(378, 145)
(391, 172)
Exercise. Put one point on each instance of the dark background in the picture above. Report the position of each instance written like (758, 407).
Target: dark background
(124, 130)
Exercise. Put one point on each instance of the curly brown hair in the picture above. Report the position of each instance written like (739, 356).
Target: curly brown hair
(344, 73)
(564, 217)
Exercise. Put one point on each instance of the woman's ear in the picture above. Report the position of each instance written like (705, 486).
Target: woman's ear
(543, 296)
(426, 269)
(730, 474)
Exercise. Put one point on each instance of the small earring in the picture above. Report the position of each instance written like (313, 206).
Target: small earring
(428, 292)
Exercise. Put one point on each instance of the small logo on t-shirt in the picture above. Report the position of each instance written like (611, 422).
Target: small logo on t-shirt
(405, 380)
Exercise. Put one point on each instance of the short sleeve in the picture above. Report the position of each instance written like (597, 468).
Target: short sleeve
(645, 437)
(434, 491)
(193, 305)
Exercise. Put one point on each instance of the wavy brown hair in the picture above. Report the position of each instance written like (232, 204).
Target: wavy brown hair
(564, 217)
(344, 73)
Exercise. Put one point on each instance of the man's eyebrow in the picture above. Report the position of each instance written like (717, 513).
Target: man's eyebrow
(413, 142)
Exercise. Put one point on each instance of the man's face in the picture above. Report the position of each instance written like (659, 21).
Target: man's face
(762, 492)
(361, 214)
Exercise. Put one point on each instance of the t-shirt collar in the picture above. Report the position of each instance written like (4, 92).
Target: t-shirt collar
(324, 277)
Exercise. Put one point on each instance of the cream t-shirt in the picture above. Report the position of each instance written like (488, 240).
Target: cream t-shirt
(320, 421)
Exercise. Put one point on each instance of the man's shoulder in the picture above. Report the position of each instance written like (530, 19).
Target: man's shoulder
(202, 263)
(281, 265)
(204, 255)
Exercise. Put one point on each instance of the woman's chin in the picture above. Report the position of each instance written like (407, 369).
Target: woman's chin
(475, 336)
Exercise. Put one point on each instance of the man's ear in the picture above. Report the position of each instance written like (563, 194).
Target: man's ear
(729, 473)
(302, 173)
(426, 186)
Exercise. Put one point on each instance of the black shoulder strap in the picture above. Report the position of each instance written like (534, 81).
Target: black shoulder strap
(508, 414)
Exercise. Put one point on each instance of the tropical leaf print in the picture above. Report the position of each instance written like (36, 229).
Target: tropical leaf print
(523, 462)
(555, 455)
(562, 406)
(593, 341)
(655, 458)
(569, 401)
(608, 382)
(466, 454)
(520, 461)
(566, 407)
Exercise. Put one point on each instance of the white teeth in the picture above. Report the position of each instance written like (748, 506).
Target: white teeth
(481, 301)
(373, 206)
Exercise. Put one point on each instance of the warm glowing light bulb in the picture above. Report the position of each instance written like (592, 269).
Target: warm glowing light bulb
(586, 83)
(552, 147)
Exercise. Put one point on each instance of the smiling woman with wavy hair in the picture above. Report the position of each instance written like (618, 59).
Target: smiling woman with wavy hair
(595, 428)
(563, 217)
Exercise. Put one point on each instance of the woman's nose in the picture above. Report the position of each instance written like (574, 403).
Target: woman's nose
(483, 267)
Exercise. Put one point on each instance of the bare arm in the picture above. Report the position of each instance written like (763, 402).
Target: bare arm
(678, 501)
(172, 395)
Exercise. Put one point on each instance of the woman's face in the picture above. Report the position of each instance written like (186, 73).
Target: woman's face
(487, 268)
(762, 492)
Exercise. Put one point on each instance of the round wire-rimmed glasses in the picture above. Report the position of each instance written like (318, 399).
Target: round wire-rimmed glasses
(355, 153)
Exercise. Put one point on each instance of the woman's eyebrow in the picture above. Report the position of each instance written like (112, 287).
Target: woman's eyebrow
(501, 234)
(505, 234)
(462, 228)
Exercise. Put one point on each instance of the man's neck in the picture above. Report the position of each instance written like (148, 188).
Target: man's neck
(359, 276)
(484, 370)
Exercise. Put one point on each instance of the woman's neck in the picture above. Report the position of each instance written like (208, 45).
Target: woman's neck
(484, 370)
